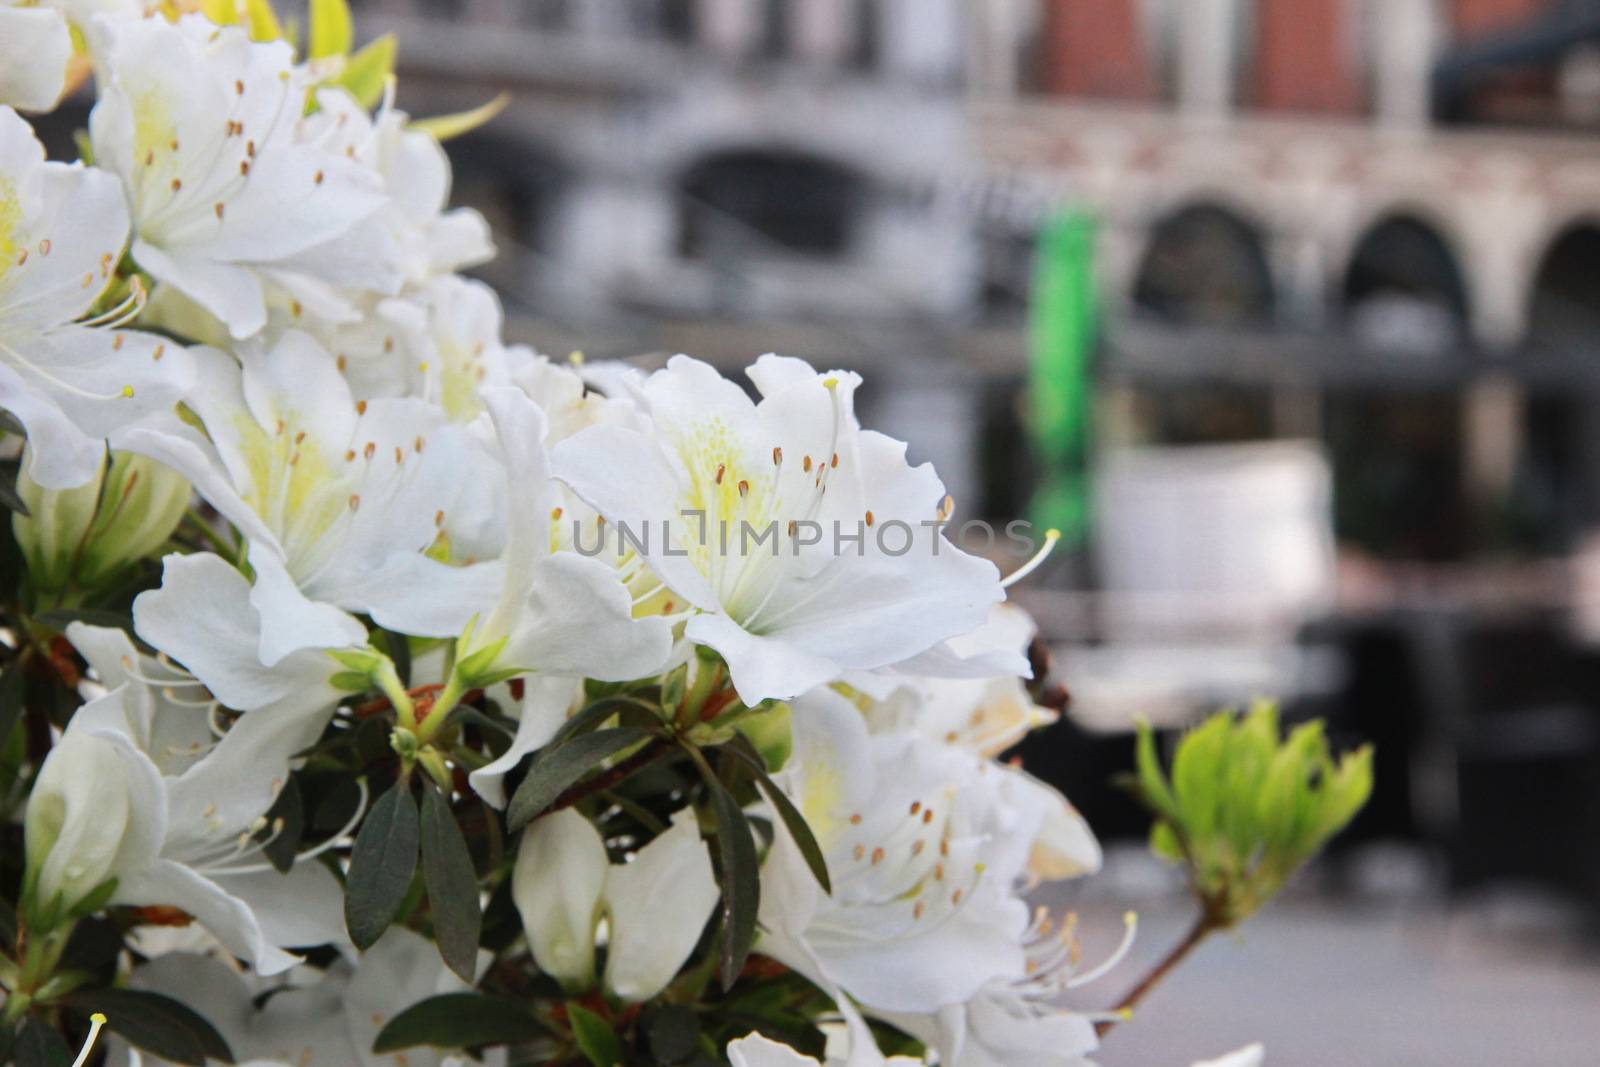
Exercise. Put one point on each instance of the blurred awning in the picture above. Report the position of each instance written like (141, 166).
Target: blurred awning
(1540, 42)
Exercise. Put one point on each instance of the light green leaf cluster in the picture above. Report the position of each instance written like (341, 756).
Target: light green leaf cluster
(1243, 808)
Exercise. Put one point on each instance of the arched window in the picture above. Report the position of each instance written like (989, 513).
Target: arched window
(753, 202)
(1403, 289)
(1205, 266)
(1564, 309)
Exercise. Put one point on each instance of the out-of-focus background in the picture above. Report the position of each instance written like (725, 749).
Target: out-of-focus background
(1285, 312)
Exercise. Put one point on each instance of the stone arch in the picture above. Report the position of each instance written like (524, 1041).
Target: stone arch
(1206, 264)
(764, 199)
(1404, 285)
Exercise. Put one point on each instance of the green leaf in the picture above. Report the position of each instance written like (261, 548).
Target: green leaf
(446, 127)
(793, 821)
(158, 1024)
(1164, 842)
(332, 33)
(1152, 780)
(738, 873)
(672, 1032)
(368, 69)
(38, 1045)
(459, 1020)
(558, 767)
(9, 497)
(452, 885)
(1196, 771)
(629, 711)
(381, 865)
(596, 1039)
(10, 698)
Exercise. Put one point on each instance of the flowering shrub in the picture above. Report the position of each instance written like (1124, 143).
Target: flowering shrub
(377, 691)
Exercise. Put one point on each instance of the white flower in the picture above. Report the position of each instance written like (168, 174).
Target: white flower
(331, 494)
(311, 1018)
(924, 843)
(62, 230)
(204, 126)
(985, 708)
(754, 1050)
(655, 906)
(35, 48)
(441, 343)
(764, 503)
(532, 607)
(422, 239)
(986, 716)
(145, 787)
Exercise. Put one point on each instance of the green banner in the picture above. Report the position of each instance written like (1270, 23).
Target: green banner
(1062, 326)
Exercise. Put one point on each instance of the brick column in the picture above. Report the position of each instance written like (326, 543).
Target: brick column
(1304, 59)
(1096, 48)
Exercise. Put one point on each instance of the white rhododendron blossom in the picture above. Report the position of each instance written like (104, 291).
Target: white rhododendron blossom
(761, 517)
(205, 130)
(375, 689)
(69, 378)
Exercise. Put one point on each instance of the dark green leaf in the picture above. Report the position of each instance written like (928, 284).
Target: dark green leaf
(459, 1020)
(285, 844)
(793, 821)
(452, 886)
(557, 768)
(631, 711)
(38, 1045)
(155, 1023)
(381, 865)
(9, 497)
(738, 873)
(8, 1040)
(10, 699)
(596, 1039)
(673, 1033)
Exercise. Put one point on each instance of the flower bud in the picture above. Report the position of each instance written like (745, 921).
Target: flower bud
(76, 821)
(85, 537)
(557, 885)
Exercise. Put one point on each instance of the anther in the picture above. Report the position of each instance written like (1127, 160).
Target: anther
(777, 455)
(355, 501)
(744, 487)
(869, 517)
(722, 468)
(367, 452)
(361, 407)
(877, 856)
(127, 392)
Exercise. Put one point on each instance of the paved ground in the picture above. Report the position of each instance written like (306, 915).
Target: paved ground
(1381, 979)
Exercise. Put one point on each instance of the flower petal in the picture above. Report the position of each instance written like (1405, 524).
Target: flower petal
(657, 906)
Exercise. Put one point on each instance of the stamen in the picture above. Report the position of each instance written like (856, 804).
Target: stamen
(1050, 539)
(1130, 926)
(96, 1021)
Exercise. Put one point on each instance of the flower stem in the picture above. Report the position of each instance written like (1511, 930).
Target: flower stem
(1204, 925)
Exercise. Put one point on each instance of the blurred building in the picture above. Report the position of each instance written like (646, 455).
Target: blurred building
(1373, 223)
